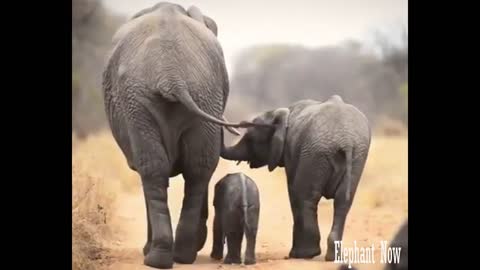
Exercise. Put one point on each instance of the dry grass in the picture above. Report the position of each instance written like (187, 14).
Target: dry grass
(91, 207)
(94, 164)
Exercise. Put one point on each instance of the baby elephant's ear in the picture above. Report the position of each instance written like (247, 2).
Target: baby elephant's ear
(195, 13)
(280, 121)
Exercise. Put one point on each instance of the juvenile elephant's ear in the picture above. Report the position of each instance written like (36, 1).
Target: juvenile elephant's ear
(280, 120)
(195, 13)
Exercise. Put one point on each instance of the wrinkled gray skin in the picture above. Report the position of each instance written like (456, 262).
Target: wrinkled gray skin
(400, 240)
(237, 207)
(165, 89)
(323, 147)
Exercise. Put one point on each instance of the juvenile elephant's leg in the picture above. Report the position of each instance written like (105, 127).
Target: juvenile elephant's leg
(160, 253)
(217, 249)
(293, 207)
(308, 233)
(341, 209)
(234, 242)
(306, 193)
(146, 248)
(295, 215)
(251, 235)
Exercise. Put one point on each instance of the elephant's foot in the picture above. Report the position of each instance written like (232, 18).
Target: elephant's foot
(216, 255)
(330, 256)
(249, 260)
(147, 248)
(304, 253)
(184, 256)
(184, 251)
(202, 236)
(229, 259)
(159, 259)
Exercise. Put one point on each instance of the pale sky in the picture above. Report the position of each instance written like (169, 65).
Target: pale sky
(311, 23)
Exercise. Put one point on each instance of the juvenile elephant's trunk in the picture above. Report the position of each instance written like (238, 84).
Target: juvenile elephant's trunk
(237, 152)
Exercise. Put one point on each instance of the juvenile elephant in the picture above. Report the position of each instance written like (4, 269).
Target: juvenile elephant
(323, 147)
(165, 89)
(237, 206)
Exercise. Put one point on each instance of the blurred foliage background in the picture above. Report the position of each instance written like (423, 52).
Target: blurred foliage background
(92, 29)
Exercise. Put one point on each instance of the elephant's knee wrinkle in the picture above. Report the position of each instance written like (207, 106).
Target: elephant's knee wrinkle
(152, 169)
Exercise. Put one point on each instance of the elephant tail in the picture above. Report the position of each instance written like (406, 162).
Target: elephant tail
(183, 96)
(348, 172)
(245, 203)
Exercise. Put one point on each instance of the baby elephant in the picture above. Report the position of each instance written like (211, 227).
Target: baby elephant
(237, 206)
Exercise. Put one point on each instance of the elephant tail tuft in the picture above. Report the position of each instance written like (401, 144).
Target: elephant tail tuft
(348, 172)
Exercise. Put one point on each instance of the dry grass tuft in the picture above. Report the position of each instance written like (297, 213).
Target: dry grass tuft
(93, 195)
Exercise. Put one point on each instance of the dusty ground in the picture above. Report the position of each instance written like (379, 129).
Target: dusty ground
(380, 206)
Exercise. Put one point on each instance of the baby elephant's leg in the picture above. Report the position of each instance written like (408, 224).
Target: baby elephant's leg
(234, 234)
(251, 234)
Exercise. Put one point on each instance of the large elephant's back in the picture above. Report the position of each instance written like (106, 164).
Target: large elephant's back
(161, 55)
(151, 57)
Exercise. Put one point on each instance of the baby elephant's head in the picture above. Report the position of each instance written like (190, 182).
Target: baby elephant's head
(264, 141)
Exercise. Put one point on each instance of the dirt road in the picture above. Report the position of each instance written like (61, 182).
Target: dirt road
(380, 206)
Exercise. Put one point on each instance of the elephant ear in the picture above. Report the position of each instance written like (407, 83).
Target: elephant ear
(195, 13)
(280, 121)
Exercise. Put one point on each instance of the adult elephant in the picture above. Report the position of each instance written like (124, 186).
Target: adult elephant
(323, 147)
(165, 89)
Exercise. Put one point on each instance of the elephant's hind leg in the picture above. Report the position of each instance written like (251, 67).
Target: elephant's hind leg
(306, 191)
(203, 154)
(160, 252)
(191, 228)
(152, 164)
(148, 245)
(251, 234)
(342, 207)
(234, 234)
